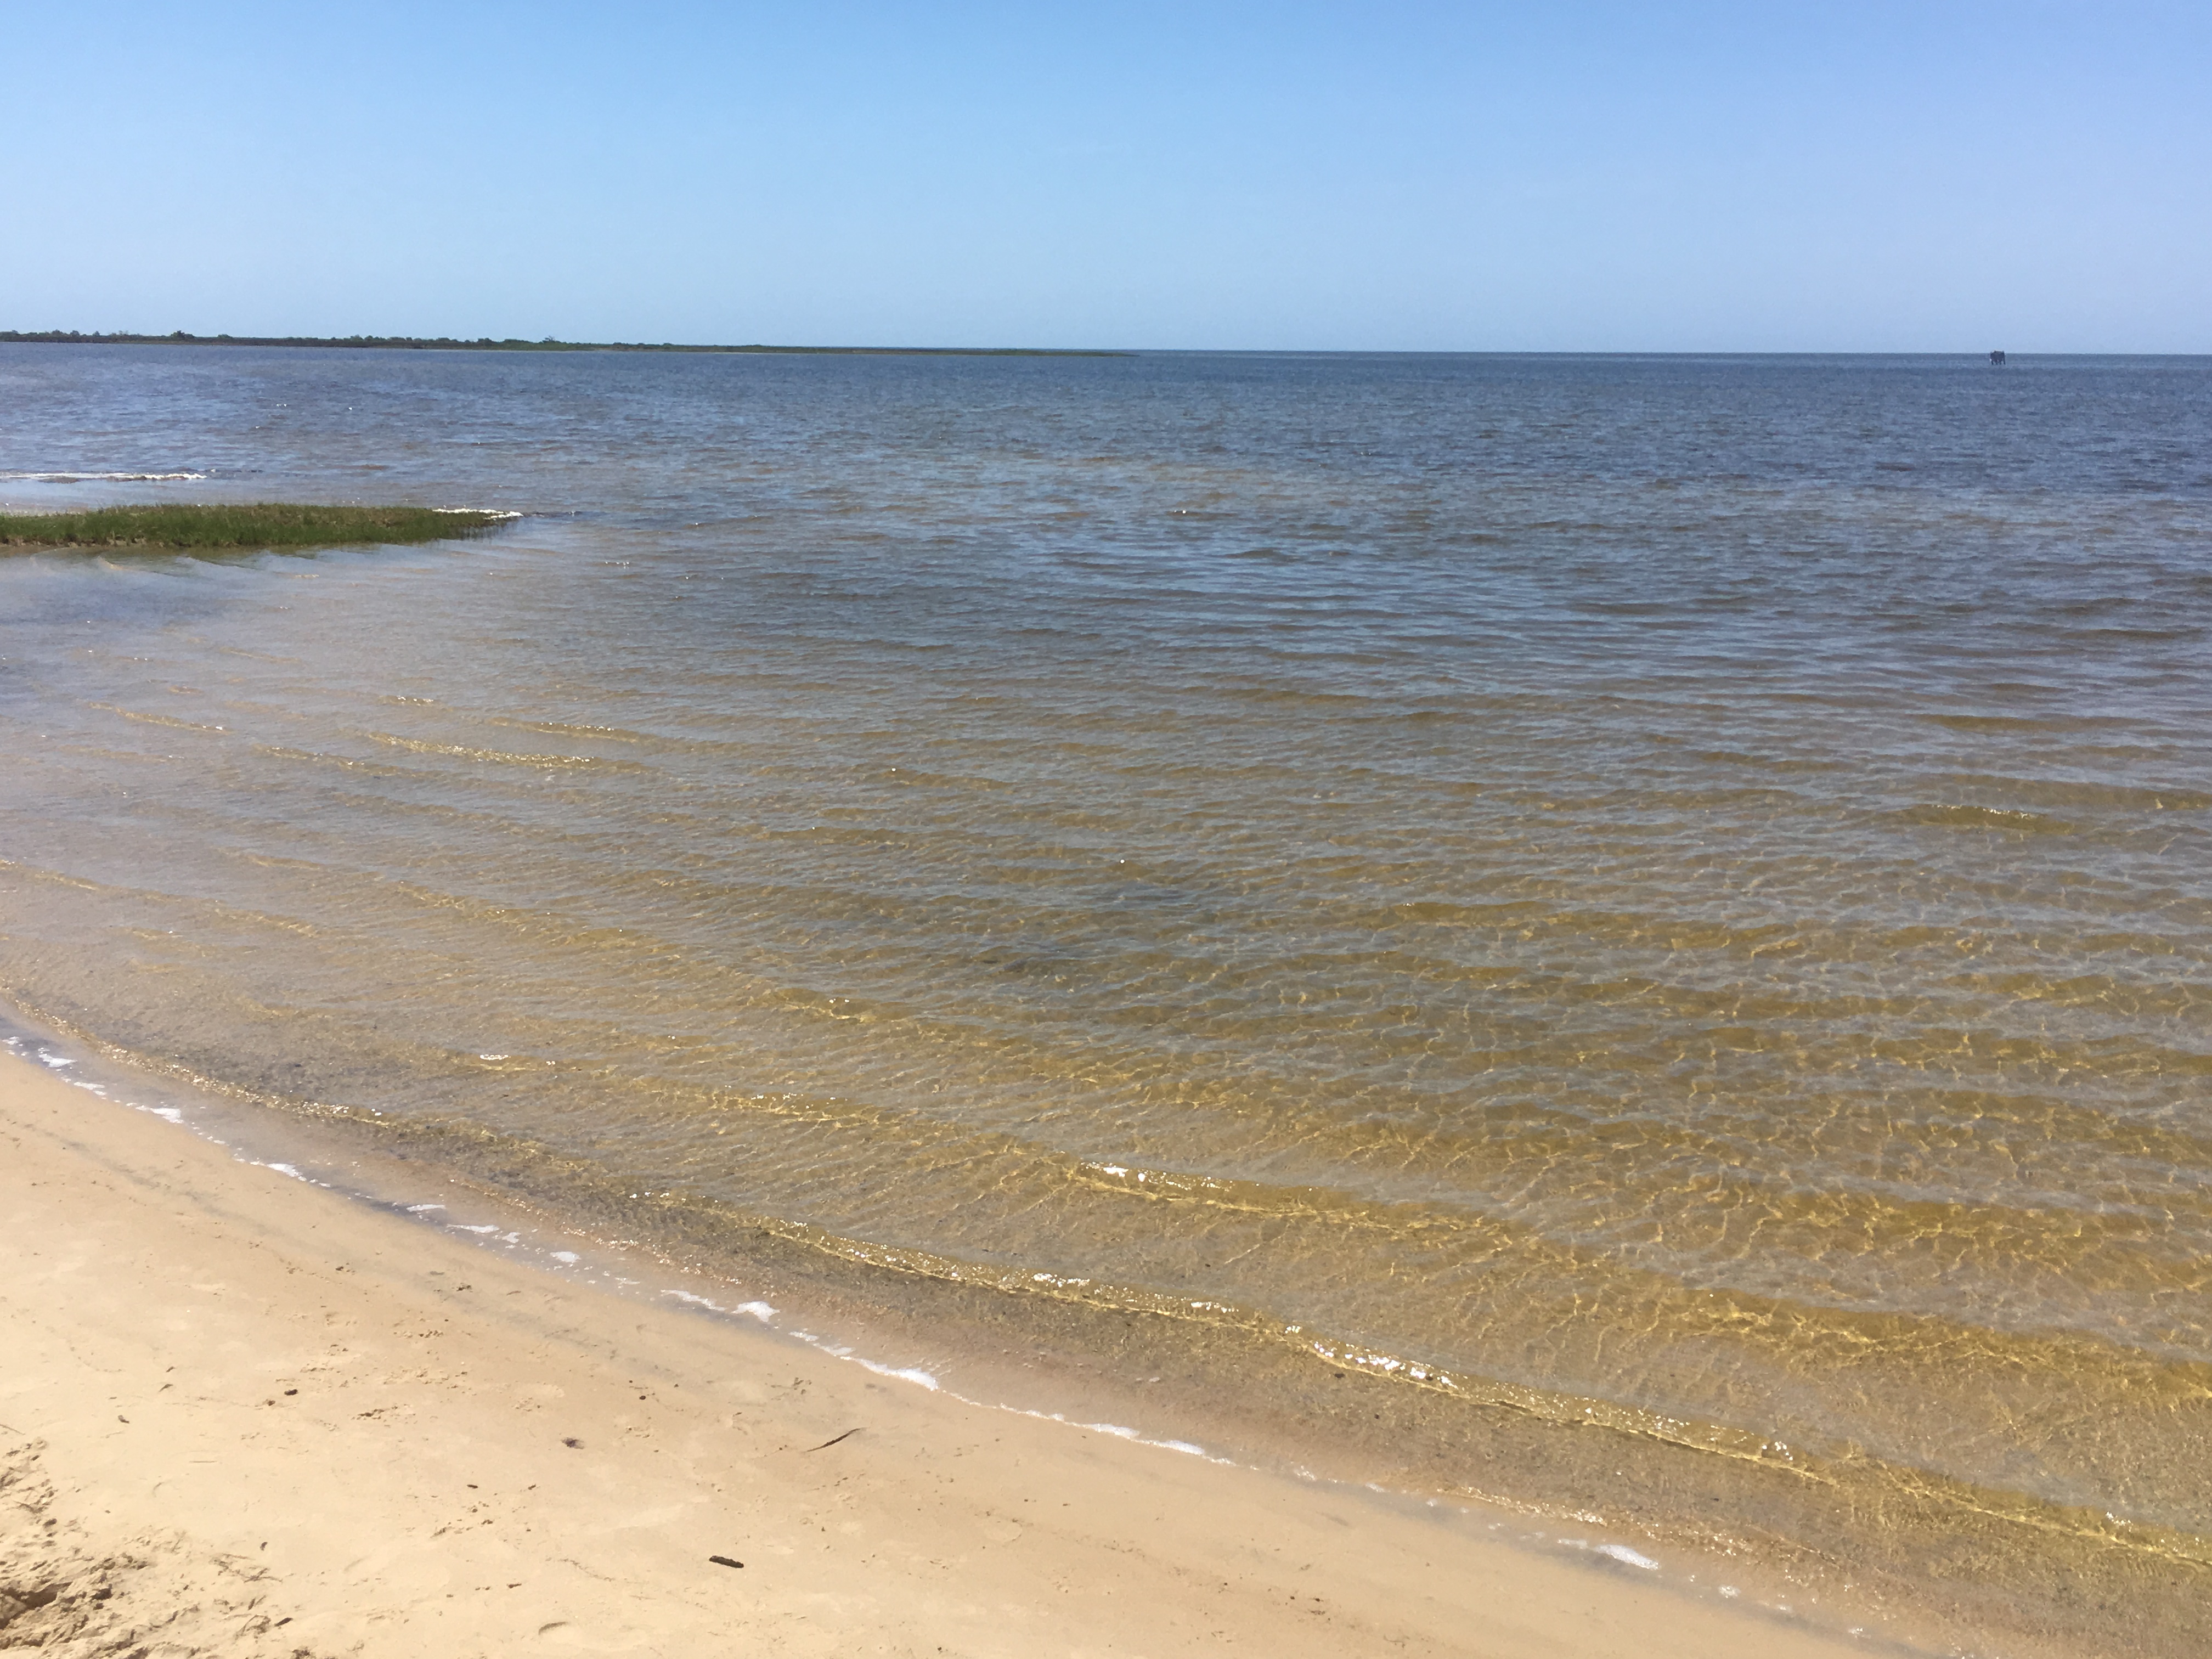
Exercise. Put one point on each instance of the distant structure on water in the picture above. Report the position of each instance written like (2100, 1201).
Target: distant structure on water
(1997, 360)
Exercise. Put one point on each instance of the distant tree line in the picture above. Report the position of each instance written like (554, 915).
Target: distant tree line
(403, 343)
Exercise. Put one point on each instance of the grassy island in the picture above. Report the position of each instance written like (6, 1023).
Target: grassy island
(254, 524)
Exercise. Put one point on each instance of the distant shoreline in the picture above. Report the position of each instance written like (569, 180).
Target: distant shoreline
(401, 343)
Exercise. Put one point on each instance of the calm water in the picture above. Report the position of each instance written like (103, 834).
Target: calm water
(1670, 893)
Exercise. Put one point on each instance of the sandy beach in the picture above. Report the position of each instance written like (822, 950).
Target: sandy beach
(248, 1417)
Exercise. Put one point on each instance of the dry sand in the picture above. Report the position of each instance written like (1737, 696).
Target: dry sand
(243, 1416)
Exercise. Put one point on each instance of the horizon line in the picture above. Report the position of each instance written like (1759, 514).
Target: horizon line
(450, 343)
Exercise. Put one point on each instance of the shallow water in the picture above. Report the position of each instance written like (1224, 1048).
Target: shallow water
(1672, 893)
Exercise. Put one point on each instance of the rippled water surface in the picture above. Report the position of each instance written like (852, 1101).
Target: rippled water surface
(1668, 893)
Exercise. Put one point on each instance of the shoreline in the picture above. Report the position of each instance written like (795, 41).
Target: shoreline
(1825, 1547)
(138, 1254)
(411, 343)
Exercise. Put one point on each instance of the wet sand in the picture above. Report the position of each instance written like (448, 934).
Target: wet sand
(244, 1416)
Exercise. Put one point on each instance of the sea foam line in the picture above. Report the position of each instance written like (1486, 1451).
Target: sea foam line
(101, 477)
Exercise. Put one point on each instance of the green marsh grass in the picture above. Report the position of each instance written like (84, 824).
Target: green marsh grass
(252, 525)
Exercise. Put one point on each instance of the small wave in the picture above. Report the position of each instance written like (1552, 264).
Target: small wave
(498, 757)
(101, 477)
(154, 720)
(1946, 816)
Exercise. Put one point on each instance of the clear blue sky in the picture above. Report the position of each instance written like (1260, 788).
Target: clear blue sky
(1558, 177)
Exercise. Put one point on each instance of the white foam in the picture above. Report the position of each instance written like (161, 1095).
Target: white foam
(759, 1311)
(1622, 1553)
(910, 1374)
(568, 1256)
(1130, 1435)
(101, 477)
